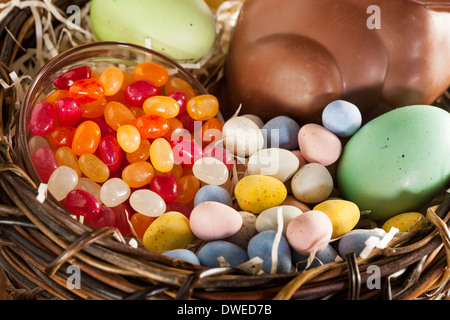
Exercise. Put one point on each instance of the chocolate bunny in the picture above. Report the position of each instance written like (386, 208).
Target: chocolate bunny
(293, 57)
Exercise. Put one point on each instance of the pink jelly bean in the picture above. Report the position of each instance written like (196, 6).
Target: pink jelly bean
(180, 98)
(110, 152)
(138, 91)
(105, 219)
(179, 207)
(82, 203)
(65, 80)
(186, 152)
(42, 119)
(44, 162)
(165, 185)
(219, 153)
(68, 111)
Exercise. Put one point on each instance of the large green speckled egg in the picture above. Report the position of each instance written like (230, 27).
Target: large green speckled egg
(397, 162)
(183, 30)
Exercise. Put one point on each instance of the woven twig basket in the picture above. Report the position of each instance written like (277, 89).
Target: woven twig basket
(39, 241)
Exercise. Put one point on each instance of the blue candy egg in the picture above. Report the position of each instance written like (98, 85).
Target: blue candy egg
(213, 193)
(355, 241)
(183, 254)
(211, 251)
(261, 246)
(281, 132)
(342, 118)
(327, 255)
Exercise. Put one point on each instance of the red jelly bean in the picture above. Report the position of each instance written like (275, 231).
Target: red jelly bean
(186, 152)
(87, 90)
(82, 203)
(110, 152)
(165, 185)
(61, 136)
(42, 119)
(187, 121)
(139, 91)
(68, 111)
(179, 207)
(44, 162)
(65, 80)
(122, 216)
(105, 219)
(180, 98)
(152, 126)
(105, 129)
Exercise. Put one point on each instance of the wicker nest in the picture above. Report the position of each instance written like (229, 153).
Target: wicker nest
(40, 241)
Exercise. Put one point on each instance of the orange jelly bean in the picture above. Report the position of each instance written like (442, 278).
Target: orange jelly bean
(212, 131)
(138, 174)
(61, 136)
(93, 168)
(86, 138)
(57, 95)
(140, 223)
(203, 107)
(176, 130)
(187, 188)
(153, 72)
(112, 79)
(152, 126)
(117, 114)
(86, 90)
(164, 106)
(178, 84)
(66, 157)
(128, 138)
(94, 109)
(141, 154)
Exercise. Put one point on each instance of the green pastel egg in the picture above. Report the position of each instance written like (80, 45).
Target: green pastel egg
(183, 30)
(397, 162)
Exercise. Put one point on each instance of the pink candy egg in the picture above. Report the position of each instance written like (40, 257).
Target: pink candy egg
(317, 144)
(309, 232)
(212, 220)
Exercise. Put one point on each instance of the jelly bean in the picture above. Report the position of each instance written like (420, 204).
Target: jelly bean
(176, 130)
(342, 118)
(168, 232)
(186, 152)
(94, 109)
(344, 215)
(90, 186)
(86, 138)
(57, 95)
(246, 232)
(66, 157)
(187, 188)
(147, 202)
(281, 132)
(42, 119)
(93, 168)
(405, 222)
(211, 171)
(212, 131)
(153, 72)
(164, 106)
(178, 84)
(188, 123)
(36, 142)
(105, 219)
(140, 223)
(152, 126)
(141, 154)
(219, 153)
(180, 98)
(61, 136)
(213, 193)
(242, 137)
(137, 111)
(312, 183)
(65, 80)
(203, 107)
(86, 90)
(138, 174)
(117, 114)
(179, 207)
(68, 111)
(44, 162)
(161, 155)
(261, 246)
(62, 181)
(114, 191)
(256, 193)
(122, 218)
(183, 254)
(81, 203)
(268, 219)
(210, 253)
(139, 91)
(129, 138)
(105, 129)
(281, 164)
(177, 171)
(112, 79)
(110, 153)
(165, 185)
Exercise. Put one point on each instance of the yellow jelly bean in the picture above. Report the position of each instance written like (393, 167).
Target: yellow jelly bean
(344, 215)
(93, 167)
(256, 193)
(405, 222)
(164, 106)
(66, 157)
(169, 231)
(161, 155)
(129, 138)
(203, 107)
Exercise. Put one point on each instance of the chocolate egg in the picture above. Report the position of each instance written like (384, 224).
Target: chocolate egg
(293, 57)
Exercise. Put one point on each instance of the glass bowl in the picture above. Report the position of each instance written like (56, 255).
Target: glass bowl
(99, 55)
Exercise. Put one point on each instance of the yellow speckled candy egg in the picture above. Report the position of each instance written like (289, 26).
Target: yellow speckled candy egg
(169, 231)
(405, 222)
(344, 215)
(256, 193)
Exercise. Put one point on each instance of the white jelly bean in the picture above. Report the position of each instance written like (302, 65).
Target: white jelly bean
(147, 202)
(114, 192)
(62, 181)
